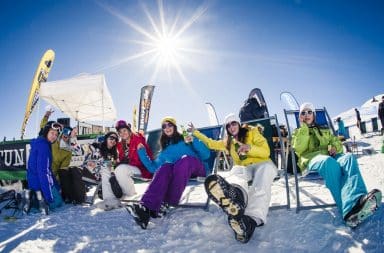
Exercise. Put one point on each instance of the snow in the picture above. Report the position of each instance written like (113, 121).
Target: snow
(84, 228)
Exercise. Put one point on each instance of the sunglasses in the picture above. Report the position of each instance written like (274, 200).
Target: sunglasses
(233, 123)
(165, 125)
(112, 138)
(303, 113)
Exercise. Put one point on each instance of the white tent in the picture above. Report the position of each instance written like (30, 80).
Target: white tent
(85, 98)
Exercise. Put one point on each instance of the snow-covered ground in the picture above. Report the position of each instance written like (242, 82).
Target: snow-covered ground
(89, 229)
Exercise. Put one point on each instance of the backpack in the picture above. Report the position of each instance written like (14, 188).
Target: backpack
(251, 110)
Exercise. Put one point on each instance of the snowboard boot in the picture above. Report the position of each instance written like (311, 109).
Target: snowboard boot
(27, 200)
(229, 197)
(43, 207)
(164, 209)
(243, 227)
(140, 213)
(364, 208)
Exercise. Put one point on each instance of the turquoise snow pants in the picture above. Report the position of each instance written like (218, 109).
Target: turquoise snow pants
(342, 177)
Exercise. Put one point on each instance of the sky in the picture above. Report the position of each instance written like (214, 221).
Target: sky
(328, 52)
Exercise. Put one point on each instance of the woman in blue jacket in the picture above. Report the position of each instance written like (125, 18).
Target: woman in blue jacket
(179, 160)
(39, 174)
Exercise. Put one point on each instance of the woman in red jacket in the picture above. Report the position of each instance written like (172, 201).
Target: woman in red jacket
(128, 165)
(127, 148)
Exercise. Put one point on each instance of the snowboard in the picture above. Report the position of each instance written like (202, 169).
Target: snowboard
(10, 200)
(256, 92)
(289, 101)
(8, 195)
(41, 75)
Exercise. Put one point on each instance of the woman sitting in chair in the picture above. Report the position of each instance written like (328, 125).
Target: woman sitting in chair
(319, 150)
(250, 153)
(179, 160)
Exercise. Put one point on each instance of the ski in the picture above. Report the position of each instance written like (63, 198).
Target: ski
(41, 75)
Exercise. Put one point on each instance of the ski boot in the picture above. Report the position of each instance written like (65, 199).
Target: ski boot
(140, 213)
(364, 208)
(229, 197)
(243, 227)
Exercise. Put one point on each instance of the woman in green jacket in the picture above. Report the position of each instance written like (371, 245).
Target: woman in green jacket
(321, 151)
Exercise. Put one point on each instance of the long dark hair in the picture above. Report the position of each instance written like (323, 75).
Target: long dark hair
(243, 130)
(106, 153)
(175, 138)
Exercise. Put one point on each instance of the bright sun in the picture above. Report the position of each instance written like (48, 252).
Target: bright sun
(164, 45)
(167, 48)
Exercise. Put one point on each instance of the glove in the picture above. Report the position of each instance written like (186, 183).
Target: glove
(49, 108)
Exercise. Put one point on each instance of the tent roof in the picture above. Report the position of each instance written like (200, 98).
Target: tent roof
(84, 98)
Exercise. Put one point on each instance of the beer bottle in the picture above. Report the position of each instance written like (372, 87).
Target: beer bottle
(185, 133)
(242, 155)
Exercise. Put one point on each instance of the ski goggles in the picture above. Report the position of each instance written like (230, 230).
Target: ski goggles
(304, 113)
(56, 126)
(166, 124)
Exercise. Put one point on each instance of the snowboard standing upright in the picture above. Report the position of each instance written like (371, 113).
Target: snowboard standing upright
(40, 76)
(254, 107)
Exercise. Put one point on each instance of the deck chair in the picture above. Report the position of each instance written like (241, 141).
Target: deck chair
(363, 127)
(277, 154)
(347, 136)
(322, 119)
(375, 125)
(213, 132)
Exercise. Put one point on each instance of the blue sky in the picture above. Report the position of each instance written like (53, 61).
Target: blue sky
(327, 52)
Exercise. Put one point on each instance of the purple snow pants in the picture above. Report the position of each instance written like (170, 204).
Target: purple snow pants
(169, 182)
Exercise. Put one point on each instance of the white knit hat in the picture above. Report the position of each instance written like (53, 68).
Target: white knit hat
(230, 118)
(308, 106)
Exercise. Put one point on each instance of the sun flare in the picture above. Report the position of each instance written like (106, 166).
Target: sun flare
(164, 45)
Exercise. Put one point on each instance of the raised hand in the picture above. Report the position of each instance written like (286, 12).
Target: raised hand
(191, 127)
